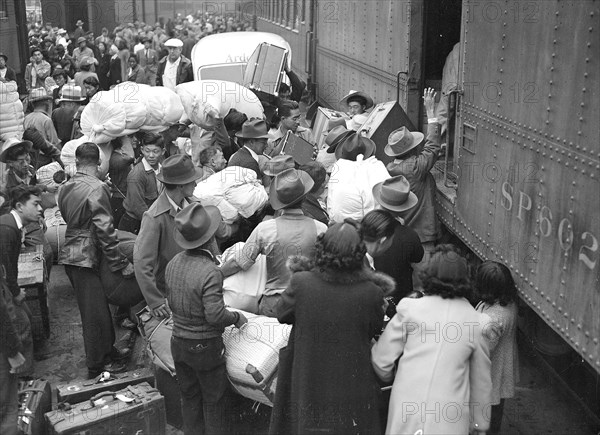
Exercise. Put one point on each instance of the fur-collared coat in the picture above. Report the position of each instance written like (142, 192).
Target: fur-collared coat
(326, 383)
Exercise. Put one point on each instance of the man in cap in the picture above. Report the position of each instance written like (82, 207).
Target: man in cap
(155, 246)
(253, 138)
(174, 68)
(291, 233)
(7, 74)
(195, 295)
(84, 202)
(40, 117)
(61, 39)
(393, 246)
(149, 60)
(78, 32)
(85, 71)
(415, 161)
(353, 176)
(82, 51)
(63, 116)
(37, 70)
(62, 59)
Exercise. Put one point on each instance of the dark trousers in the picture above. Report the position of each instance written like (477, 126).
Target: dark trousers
(201, 374)
(128, 223)
(9, 402)
(496, 420)
(98, 329)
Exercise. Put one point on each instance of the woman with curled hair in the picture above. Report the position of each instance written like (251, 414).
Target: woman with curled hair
(498, 293)
(443, 383)
(326, 382)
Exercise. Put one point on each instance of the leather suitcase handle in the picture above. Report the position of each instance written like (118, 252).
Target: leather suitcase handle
(100, 395)
(31, 390)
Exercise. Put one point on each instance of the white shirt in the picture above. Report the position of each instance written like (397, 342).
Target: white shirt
(3, 72)
(147, 168)
(170, 74)
(19, 224)
(184, 204)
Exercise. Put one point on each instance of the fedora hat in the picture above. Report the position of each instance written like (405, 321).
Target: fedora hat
(255, 128)
(278, 164)
(178, 169)
(289, 187)
(12, 143)
(195, 225)
(38, 94)
(401, 141)
(71, 93)
(81, 39)
(79, 23)
(394, 194)
(4, 56)
(61, 31)
(336, 136)
(353, 145)
(357, 94)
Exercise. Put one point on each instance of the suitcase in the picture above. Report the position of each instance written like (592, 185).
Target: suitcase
(136, 409)
(320, 125)
(79, 390)
(34, 401)
(252, 356)
(265, 68)
(301, 150)
(385, 118)
(169, 388)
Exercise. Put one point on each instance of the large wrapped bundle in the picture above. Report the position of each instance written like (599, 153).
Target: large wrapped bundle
(67, 155)
(203, 99)
(163, 106)
(135, 110)
(11, 111)
(103, 120)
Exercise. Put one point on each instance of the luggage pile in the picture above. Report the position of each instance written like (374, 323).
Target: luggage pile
(110, 404)
(11, 118)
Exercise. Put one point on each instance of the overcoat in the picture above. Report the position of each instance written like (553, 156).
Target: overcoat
(328, 385)
(443, 377)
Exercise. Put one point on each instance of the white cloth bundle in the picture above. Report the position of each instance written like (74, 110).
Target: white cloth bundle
(204, 99)
(11, 112)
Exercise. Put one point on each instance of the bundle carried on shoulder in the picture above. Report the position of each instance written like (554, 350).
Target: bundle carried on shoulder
(203, 100)
(11, 111)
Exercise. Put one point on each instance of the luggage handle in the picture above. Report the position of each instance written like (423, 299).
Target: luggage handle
(100, 395)
(31, 390)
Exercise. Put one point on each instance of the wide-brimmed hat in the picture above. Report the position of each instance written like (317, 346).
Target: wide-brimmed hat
(79, 23)
(13, 143)
(81, 39)
(357, 94)
(195, 225)
(336, 136)
(353, 145)
(4, 56)
(178, 169)
(145, 39)
(61, 31)
(87, 60)
(401, 141)
(255, 128)
(278, 164)
(174, 42)
(71, 93)
(38, 94)
(289, 187)
(394, 194)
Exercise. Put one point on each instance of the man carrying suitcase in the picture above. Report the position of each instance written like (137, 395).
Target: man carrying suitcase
(195, 294)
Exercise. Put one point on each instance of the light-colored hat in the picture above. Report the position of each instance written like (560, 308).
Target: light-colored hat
(394, 194)
(289, 187)
(278, 164)
(401, 141)
(362, 94)
(12, 143)
(87, 60)
(61, 31)
(81, 39)
(71, 93)
(195, 225)
(174, 42)
(38, 94)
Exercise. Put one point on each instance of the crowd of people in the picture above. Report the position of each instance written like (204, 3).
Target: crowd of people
(351, 247)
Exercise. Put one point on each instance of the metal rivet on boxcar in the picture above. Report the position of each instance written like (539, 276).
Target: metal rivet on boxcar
(552, 69)
(585, 74)
(555, 27)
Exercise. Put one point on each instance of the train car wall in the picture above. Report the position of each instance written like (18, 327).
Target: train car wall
(529, 158)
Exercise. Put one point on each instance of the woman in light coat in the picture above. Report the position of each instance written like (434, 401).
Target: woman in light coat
(443, 383)
(498, 294)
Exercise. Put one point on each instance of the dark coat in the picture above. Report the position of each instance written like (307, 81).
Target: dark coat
(10, 75)
(328, 385)
(243, 158)
(10, 248)
(114, 72)
(184, 71)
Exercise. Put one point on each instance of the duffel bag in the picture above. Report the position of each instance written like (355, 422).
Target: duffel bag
(157, 334)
